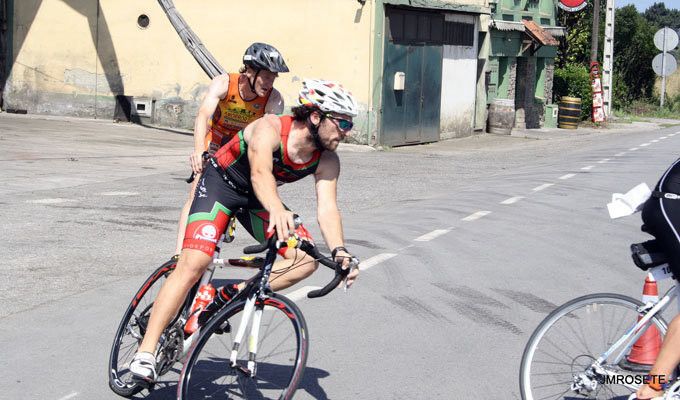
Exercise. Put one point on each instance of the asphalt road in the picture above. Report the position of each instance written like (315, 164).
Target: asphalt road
(467, 245)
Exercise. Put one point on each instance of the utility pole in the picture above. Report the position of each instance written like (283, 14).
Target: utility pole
(608, 58)
(597, 110)
(596, 31)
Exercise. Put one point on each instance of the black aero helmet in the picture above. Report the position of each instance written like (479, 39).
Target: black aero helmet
(263, 56)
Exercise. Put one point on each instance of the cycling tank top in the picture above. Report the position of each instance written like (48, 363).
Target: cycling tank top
(233, 158)
(233, 113)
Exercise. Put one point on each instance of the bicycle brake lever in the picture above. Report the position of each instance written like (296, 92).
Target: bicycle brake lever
(352, 266)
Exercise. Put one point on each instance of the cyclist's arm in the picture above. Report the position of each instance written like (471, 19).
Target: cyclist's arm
(275, 103)
(263, 138)
(216, 91)
(327, 212)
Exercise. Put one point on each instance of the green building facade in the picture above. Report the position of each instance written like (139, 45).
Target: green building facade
(521, 58)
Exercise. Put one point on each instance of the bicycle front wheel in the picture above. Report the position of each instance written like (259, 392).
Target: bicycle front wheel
(571, 338)
(131, 330)
(281, 355)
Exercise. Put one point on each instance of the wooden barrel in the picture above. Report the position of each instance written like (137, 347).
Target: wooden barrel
(501, 116)
(570, 113)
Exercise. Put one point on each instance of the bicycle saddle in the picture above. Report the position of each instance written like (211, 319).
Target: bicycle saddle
(648, 254)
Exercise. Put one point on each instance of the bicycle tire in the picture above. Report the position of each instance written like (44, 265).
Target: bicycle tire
(596, 302)
(201, 358)
(118, 368)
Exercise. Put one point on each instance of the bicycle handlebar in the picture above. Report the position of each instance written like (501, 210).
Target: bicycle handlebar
(205, 156)
(309, 248)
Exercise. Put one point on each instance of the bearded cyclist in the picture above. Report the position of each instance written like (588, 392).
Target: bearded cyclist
(244, 174)
(231, 103)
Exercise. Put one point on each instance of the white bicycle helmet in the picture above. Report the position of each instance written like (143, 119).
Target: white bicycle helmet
(328, 96)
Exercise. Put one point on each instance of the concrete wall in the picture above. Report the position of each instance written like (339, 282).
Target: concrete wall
(71, 57)
(459, 84)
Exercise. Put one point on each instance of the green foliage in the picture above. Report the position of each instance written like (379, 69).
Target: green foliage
(633, 52)
(574, 81)
(660, 16)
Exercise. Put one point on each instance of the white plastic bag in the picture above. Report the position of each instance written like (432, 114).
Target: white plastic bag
(629, 203)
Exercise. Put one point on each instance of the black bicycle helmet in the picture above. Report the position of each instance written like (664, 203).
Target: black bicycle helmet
(260, 56)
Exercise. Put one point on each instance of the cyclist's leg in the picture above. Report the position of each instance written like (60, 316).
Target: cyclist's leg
(206, 223)
(296, 265)
(184, 214)
(662, 219)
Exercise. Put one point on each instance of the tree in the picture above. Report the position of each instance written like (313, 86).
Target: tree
(633, 52)
(660, 16)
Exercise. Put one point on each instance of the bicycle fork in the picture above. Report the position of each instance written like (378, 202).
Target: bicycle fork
(251, 309)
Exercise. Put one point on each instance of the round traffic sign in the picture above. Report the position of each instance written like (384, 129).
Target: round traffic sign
(572, 5)
(665, 39)
(668, 61)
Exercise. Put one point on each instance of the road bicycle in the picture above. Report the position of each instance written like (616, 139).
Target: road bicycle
(217, 361)
(580, 349)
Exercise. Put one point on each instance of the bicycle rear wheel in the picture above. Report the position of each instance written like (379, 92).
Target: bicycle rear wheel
(571, 338)
(131, 331)
(281, 355)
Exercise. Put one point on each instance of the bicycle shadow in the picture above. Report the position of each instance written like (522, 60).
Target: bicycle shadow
(212, 385)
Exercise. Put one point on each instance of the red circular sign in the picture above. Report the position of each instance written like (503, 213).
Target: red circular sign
(572, 5)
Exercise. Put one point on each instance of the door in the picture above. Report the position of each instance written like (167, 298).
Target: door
(413, 47)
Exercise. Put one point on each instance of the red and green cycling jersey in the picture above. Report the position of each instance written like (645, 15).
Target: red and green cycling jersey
(233, 158)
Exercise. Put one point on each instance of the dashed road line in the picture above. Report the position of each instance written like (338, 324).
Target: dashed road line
(512, 200)
(567, 176)
(588, 168)
(543, 186)
(476, 215)
(429, 236)
(645, 144)
(119, 193)
(375, 260)
(654, 141)
(301, 293)
(663, 137)
(621, 154)
(69, 396)
(633, 149)
(604, 160)
(49, 201)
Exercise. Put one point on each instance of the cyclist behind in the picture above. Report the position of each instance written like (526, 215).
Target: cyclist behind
(231, 103)
(661, 217)
(245, 173)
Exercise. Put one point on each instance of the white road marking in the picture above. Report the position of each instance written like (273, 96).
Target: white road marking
(49, 201)
(512, 200)
(543, 186)
(119, 194)
(654, 141)
(645, 144)
(301, 293)
(375, 260)
(633, 149)
(69, 396)
(477, 215)
(429, 236)
(588, 168)
(621, 154)
(567, 176)
(604, 160)
(663, 137)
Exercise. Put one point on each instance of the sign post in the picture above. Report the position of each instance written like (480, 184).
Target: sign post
(664, 64)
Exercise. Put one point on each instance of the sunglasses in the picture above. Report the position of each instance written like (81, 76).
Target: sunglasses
(343, 124)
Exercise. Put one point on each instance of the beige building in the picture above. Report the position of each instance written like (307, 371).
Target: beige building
(417, 68)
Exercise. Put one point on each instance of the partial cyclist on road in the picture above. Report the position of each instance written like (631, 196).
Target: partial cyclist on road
(231, 103)
(661, 217)
(244, 174)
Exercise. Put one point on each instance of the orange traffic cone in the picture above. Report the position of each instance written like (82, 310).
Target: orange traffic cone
(644, 352)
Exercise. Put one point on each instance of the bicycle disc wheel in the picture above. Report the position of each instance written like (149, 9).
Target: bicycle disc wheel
(131, 331)
(571, 338)
(281, 355)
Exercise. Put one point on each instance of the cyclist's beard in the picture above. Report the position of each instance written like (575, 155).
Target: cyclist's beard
(315, 134)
